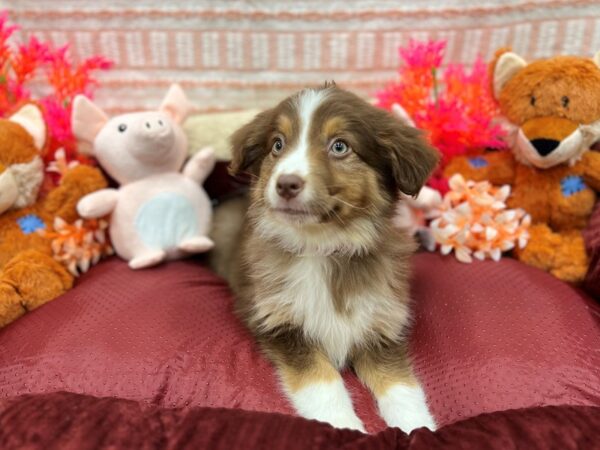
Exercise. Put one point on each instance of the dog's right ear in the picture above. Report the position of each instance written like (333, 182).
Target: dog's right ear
(249, 144)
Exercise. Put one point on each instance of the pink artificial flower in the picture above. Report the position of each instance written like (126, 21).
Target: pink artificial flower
(426, 55)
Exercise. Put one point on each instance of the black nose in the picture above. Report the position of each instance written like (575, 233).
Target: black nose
(545, 146)
(289, 186)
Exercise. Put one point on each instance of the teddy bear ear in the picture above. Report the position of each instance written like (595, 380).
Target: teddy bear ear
(30, 117)
(507, 66)
(86, 119)
(596, 59)
(176, 104)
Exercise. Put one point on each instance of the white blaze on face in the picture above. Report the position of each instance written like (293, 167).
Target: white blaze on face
(296, 160)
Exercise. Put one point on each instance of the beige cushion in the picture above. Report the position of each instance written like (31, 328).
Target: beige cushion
(214, 129)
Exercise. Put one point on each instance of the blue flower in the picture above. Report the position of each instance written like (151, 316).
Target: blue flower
(478, 162)
(571, 185)
(30, 223)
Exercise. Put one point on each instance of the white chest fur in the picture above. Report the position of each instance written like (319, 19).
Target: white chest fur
(306, 301)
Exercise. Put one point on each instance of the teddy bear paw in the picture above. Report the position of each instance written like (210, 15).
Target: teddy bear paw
(37, 278)
(11, 307)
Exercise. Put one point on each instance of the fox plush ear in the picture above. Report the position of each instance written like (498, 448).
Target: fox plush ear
(596, 59)
(176, 104)
(87, 119)
(30, 117)
(506, 67)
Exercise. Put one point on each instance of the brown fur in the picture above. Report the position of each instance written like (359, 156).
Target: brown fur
(566, 93)
(386, 366)
(353, 194)
(29, 276)
(17, 143)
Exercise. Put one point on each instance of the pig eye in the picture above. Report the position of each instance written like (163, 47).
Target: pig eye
(122, 128)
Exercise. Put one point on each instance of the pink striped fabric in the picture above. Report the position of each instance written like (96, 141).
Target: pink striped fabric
(239, 54)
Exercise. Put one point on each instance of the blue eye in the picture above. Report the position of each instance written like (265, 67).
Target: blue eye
(122, 128)
(339, 148)
(277, 146)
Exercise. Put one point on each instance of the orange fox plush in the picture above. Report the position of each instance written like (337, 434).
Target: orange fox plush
(554, 107)
(29, 276)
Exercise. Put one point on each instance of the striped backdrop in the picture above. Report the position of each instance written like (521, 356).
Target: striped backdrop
(238, 54)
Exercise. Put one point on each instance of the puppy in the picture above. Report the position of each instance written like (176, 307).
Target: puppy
(319, 271)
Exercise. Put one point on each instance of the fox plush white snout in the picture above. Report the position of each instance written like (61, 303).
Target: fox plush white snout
(158, 213)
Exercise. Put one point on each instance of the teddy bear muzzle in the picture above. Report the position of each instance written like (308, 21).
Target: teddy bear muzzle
(545, 142)
(9, 190)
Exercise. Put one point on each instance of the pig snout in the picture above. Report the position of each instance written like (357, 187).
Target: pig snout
(156, 137)
(155, 130)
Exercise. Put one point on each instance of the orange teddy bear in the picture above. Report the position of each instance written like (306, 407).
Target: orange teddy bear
(554, 107)
(29, 276)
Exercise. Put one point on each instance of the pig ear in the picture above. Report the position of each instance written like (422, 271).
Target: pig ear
(176, 104)
(87, 119)
(30, 117)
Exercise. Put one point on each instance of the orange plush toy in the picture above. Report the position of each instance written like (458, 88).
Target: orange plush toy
(29, 276)
(554, 107)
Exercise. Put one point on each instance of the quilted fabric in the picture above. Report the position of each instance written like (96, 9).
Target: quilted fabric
(487, 337)
(591, 236)
(70, 421)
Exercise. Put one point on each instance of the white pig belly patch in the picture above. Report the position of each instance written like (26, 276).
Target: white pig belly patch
(165, 220)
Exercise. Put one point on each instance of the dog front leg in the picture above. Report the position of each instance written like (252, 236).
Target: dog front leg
(314, 387)
(387, 373)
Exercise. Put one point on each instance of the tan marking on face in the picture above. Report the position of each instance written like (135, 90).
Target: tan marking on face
(285, 127)
(333, 126)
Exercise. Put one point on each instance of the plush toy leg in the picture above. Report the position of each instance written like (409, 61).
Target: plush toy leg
(571, 261)
(198, 244)
(37, 278)
(563, 255)
(147, 259)
(10, 304)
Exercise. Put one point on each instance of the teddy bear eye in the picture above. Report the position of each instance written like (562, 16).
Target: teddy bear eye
(532, 100)
(122, 128)
(565, 101)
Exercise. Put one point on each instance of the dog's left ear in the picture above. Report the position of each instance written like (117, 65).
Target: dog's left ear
(249, 144)
(410, 157)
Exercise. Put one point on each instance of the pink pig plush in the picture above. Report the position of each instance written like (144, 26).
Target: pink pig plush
(158, 213)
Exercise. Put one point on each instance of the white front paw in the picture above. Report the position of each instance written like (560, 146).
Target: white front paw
(406, 407)
(327, 402)
(343, 419)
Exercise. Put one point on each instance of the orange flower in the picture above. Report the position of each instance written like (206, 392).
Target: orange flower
(474, 222)
(80, 245)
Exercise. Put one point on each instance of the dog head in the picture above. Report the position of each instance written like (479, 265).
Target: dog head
(326, 168)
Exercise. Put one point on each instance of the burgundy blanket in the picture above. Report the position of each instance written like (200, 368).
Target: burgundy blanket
(69, 421)
(487, 337)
